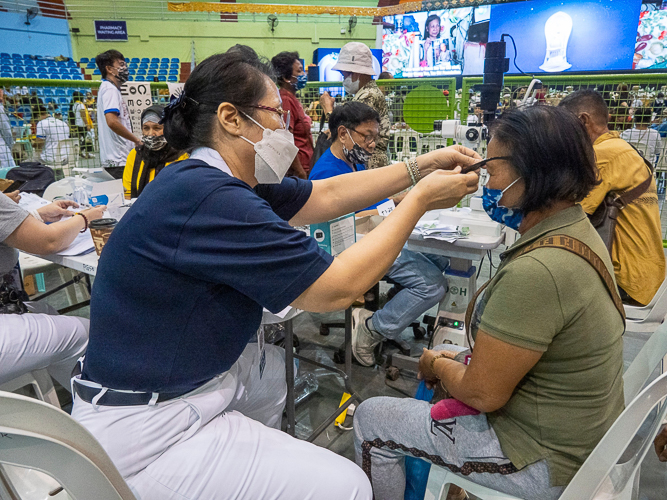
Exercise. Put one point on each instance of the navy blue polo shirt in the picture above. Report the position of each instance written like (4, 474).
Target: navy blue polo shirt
(182, 280)
(330, 166)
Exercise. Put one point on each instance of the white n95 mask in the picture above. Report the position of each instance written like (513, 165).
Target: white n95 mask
(274, 154)
(350, 86)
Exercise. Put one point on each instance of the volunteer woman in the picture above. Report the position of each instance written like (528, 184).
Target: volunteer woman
(184, 406)
(146, 161)
(35, 341)
(291, 78)
(547, 365)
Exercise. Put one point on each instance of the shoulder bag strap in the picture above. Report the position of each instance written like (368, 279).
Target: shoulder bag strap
(571, 245)
(629, 196)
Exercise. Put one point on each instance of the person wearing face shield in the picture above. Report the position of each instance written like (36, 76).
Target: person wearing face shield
(170, 386)
(291, 77)
(113, 117)
(544, 382)
(354, 129)
(146, 161)
(355, 63)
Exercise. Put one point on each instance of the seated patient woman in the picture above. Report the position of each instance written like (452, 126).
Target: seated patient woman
(546, 367)
(146, 161)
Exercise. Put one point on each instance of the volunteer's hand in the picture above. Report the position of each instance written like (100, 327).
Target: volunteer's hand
(660, 445)
(446, 159)
(445, 188)
(94, 213)
(426, 362)
(15, 196)
(327, 102)
(55, 211)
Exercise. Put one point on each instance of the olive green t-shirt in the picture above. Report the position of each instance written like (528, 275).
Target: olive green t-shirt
(553, 301)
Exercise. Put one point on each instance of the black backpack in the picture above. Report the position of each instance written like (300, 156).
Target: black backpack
(36, 176)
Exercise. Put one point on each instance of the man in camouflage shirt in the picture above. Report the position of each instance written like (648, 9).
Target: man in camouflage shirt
(355, 62)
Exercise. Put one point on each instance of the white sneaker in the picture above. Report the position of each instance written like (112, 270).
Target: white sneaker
(364, 340)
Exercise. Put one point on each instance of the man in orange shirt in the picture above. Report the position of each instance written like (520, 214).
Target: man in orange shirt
(637, 253)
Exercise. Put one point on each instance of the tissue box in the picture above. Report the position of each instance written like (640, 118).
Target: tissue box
(335, 235)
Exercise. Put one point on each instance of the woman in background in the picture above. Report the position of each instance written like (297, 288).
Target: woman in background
(146, 161)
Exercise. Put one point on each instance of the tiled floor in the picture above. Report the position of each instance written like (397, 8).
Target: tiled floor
(371, 382)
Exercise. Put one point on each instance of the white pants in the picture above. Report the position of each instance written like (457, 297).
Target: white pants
(222, 441)
(34, 341)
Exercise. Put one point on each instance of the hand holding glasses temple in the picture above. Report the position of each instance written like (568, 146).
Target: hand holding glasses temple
(480, 164)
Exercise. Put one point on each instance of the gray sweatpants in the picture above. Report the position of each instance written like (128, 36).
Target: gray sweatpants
(386, 429)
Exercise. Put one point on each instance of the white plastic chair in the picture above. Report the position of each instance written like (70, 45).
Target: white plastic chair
(601, 476)
(645, 363)
(41, 382)
(39, 436)
(67, 156)
(647, 319)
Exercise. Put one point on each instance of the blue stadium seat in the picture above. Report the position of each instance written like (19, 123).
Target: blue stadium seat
(47, 91)
(63, 100)
(152, 72)
(77, 77)
(4, 54)
(43, 76)
(30, 75)
(6, 74)
(17, 56)
(174, 66)
(85, 60)
(145, 60)
(49, 100)
(133, 71)
(27, 62)
(130, 78)
(140, 79)
(154, 65)
(135, 60)
(40, 63)
(19, 75)
(5, 68)
(175, 59)
(161, 78)
(51, 63)
(141, 72)
(127, 59)
(164, 60)
(91, 65)
(164, 65)
(20, 69)
(97, 72)
(133, 66)
(65, 77)
(172, 79)
(163, 72)
(173, 72)
(143, 65)
(155, 60)
(61, 91)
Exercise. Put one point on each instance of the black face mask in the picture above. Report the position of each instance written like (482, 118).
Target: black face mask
(123, 75)
(357, 155)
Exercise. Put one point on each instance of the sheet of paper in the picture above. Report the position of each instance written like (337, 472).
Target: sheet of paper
(386, 208)
(81, 245)
(342, 235)
(30, 201)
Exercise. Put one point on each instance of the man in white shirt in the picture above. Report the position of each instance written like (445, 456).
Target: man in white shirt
(50, 131)
(641, 136)
(113, 117)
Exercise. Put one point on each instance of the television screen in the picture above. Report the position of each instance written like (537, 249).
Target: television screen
(436, 43)
(327, 58)
(651, 43)
(568, 35)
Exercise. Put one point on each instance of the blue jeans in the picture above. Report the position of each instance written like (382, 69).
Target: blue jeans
(424, 285)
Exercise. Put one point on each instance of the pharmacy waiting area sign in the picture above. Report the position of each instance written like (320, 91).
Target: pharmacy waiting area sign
(113, 31)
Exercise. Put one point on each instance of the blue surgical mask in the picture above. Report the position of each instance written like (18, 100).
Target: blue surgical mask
(301, 81)
(511, 217)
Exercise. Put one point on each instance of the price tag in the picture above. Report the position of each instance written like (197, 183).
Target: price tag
(386, 208)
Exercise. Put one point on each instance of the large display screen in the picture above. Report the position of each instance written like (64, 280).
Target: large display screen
(436, 43)
(651, 43)
(569, 35)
